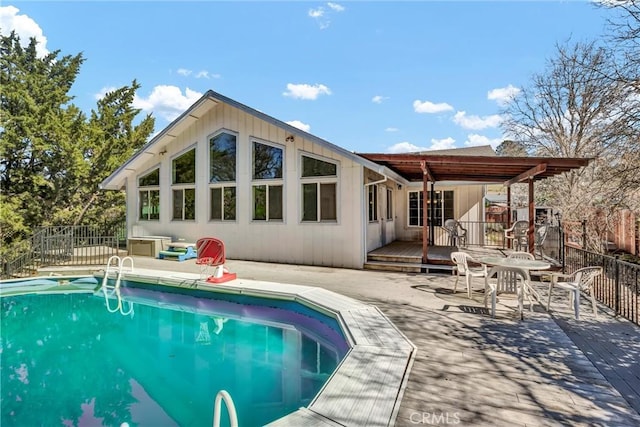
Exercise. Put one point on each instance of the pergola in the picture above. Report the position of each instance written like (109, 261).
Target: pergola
(425, 168)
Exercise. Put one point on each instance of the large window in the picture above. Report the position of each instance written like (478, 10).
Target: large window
(319, 194)
(149, 196)
(442, 207)
(267, 182)
(183, 171)
(373, 202)
(222, 177)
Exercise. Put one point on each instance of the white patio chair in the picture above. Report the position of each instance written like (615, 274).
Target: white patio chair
(461, 268)
(580, 280)
(518, 235)
(508, 280)
(521, 255)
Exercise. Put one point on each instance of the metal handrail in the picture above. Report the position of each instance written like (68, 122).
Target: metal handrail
(231, 408)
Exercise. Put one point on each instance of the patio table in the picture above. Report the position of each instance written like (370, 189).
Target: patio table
(524, 264)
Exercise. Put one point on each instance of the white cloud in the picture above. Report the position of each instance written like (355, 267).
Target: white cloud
(24, 26)
(430, 107)
(184, 72)
(321, 15)
(503, 95)
(166, 101)
(203, 74)
(336, 7)
(298, 124)
(442, 144)
(378, 99)
(391, 129)
(98, 96)
(405, 147)
(474, 140)
(305, 91)
(476, 122)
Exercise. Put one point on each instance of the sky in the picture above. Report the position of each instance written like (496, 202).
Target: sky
(369, 76)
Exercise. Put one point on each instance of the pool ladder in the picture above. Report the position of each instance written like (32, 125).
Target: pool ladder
(231, 408)
(116, 264)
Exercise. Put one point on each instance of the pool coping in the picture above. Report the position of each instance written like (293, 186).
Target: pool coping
(366, 388)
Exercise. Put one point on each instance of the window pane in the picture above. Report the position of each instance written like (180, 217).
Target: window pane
(267, 161)
(436, 208)
(184, 168)
(222, 156)
(150, 179)
(448, 205)
(216, 203)
(389, 203)
(373, 202)
(275, 202)
(328, 202)
(190, 203)
(315, 167)
(260, 202)
(310, 202)
(415, 208)
(230, 203)
(144, 205)
(154, 204)
(177, 204)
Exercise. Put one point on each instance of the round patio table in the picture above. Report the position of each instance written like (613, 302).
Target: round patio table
(525, 264)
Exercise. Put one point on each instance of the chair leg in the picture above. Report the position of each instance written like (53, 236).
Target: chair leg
(576, 303)
(594, 304)
(549, 299)
(468, 286)
(455, 285)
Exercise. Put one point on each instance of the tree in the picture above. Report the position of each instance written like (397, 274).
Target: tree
(574, 109)
(511, 148)
(52, 155)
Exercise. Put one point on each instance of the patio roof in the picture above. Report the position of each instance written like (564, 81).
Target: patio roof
(485, 169)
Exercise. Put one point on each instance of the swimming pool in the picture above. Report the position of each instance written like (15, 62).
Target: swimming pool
(66, 360)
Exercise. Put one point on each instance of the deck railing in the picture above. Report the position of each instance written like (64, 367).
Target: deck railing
(618, 288)
(65, 245)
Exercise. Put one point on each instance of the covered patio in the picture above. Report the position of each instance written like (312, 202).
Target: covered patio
(430, 169)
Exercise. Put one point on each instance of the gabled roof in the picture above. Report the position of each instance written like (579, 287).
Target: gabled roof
(209, 100)
(479, 150)
(479, 169)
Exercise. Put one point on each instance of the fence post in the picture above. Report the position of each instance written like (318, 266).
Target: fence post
(616, 271)
(584, 234)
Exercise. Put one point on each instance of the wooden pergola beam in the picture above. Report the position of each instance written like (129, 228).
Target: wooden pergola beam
(530, 174)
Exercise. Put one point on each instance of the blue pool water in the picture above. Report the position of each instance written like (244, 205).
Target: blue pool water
(67, 361)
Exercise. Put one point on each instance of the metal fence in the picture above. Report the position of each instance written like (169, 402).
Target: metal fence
(66, 245)
(618, 288)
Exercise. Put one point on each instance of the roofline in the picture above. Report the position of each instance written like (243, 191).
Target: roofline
(217, 98)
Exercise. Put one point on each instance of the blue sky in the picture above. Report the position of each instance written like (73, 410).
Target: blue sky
(369, 76)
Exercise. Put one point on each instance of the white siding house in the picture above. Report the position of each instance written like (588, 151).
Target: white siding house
(270, 191)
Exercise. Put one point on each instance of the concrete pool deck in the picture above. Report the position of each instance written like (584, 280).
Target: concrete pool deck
(473, 370)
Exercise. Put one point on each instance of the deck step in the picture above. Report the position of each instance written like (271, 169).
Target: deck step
(407, 267)
(394, 258)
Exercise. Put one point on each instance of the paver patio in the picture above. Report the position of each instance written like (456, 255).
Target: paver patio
(471, 369)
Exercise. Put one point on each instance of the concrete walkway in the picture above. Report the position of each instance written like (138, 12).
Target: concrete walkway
(474, 370)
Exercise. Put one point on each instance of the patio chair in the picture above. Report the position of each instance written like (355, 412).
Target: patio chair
(461, 268)
(540, 237)
(456, 232)
(580, 280)
(521, 255)
(518, 235)
(508, 280)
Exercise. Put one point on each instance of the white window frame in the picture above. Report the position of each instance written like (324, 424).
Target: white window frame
(389, 207)
(148, 189)
(318, 180)
(222, 185)
(269, 183)
(420, 207)
(184, 187)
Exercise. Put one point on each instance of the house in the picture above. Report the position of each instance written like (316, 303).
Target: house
(275, 193)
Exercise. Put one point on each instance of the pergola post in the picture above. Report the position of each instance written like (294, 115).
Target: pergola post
(509, 212)
(531, 234)
(425, 220)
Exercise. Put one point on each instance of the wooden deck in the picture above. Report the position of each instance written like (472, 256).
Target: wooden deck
(471, 369)
(406, 256)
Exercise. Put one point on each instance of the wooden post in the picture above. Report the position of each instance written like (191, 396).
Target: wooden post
(532, 219)
(425, 220)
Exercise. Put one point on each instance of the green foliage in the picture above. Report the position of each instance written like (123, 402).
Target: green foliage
(53, 155)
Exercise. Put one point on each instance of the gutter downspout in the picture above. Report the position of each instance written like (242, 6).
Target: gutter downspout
(365, 212)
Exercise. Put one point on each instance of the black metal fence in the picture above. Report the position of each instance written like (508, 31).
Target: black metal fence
(66, 245)
(618, 288)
